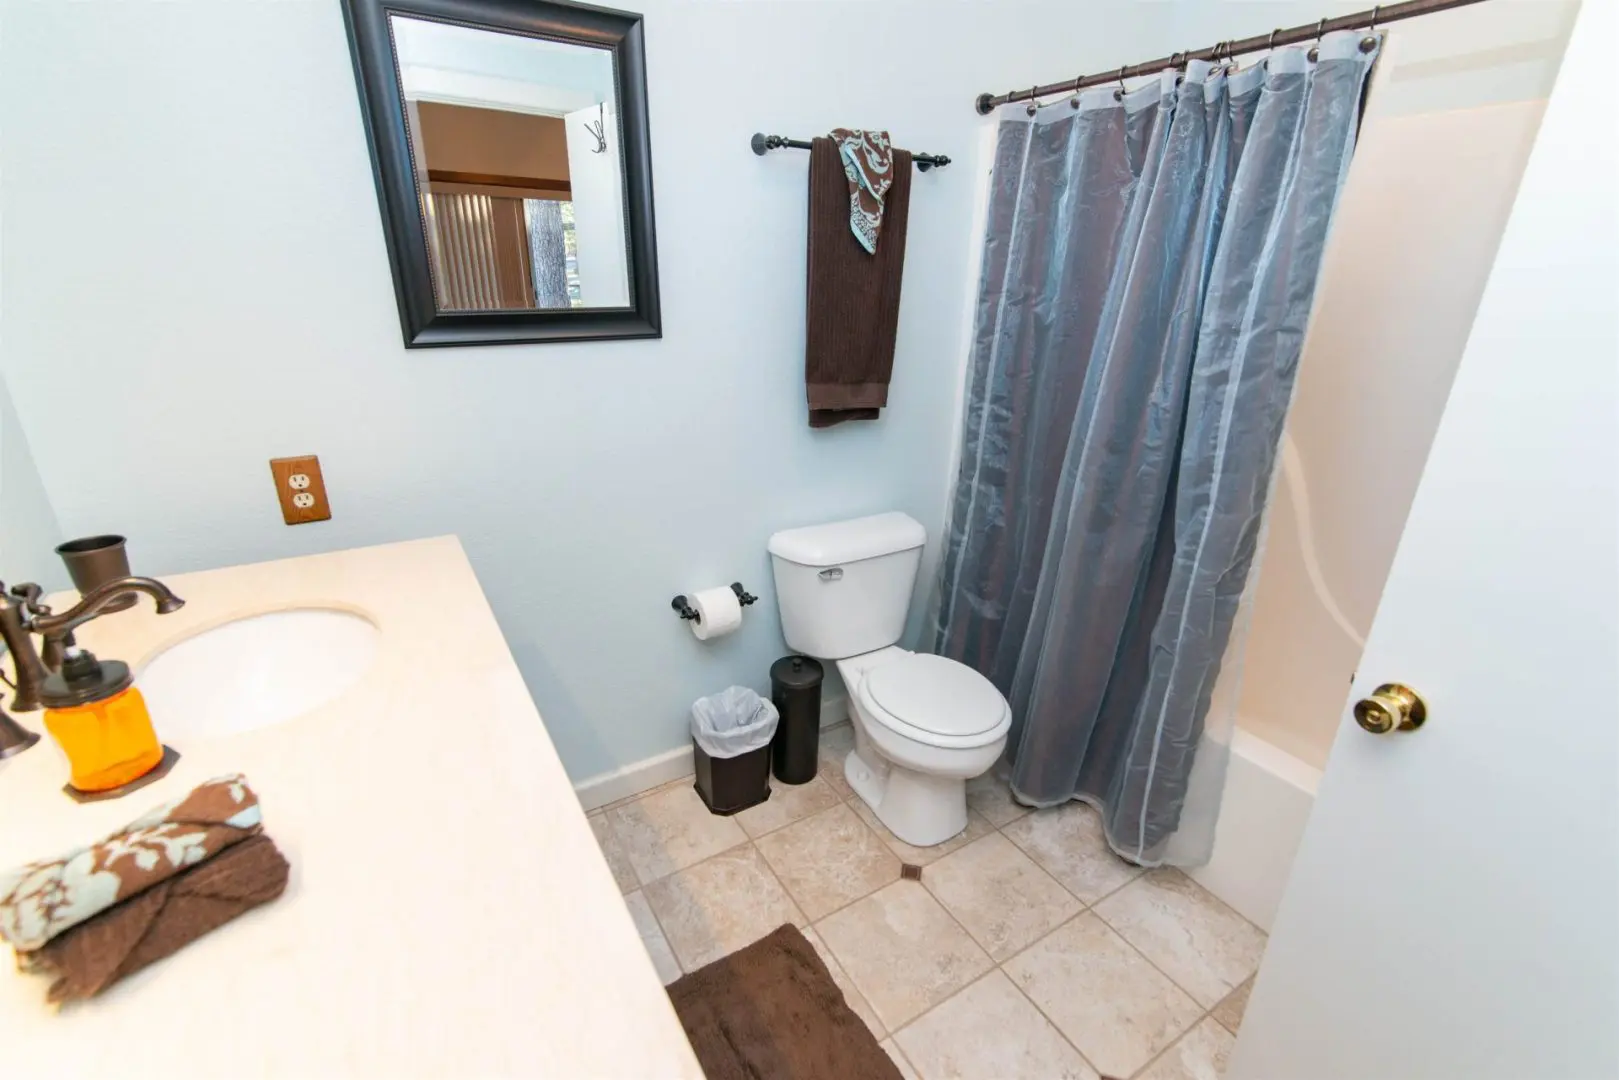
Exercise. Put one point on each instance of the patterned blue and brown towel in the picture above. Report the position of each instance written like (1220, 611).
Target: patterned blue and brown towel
(868, 162)
(95, 914)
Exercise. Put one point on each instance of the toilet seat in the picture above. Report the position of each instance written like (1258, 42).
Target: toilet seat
(934, 701)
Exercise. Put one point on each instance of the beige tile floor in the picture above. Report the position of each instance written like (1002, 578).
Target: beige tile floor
(1027, 950)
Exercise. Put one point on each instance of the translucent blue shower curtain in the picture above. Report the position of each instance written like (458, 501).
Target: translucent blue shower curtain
(1147, 276)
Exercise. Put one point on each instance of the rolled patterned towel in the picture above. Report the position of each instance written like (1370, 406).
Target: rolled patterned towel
(44, 899)
(160, 921)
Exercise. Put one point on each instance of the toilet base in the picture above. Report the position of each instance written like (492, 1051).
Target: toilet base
(920, 809)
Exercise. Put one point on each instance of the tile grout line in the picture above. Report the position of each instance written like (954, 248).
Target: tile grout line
(924, 1014)
(1160, 1055)
(1117, 933)
(996, 966)
(1001, 967)
(1089, 908)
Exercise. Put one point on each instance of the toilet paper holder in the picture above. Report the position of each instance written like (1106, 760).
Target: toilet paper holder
(686, 611)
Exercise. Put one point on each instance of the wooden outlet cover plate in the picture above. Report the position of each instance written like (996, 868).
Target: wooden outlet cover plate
(301, 489)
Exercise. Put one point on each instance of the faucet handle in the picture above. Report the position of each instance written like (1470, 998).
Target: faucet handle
(29, 594)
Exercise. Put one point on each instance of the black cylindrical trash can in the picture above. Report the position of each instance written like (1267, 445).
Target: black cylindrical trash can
(795, 690)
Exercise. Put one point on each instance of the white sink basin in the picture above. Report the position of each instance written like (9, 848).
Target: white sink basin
(255, 672)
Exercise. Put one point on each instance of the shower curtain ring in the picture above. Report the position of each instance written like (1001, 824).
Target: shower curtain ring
(1369, 42)
(1315, 50)
(1034, 103)
(1118, 95)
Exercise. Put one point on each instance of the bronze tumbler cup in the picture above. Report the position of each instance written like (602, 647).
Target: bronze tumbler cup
(96, 560)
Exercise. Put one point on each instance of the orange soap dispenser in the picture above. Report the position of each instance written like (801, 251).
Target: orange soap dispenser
(96, 715)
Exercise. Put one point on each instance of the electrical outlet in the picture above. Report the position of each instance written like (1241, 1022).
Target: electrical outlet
(300, 489)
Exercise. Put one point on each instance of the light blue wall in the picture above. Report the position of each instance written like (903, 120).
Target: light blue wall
(28, 530)
(192, 230)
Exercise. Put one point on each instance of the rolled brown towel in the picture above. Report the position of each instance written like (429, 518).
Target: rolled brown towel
(160, 921)
(46, 898)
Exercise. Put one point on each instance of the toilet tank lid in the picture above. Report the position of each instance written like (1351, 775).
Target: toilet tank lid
(849, 541)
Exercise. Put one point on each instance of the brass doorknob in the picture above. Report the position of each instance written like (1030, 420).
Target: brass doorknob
(1391, 707)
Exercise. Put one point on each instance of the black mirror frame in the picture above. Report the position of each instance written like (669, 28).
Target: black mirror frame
(383, 108)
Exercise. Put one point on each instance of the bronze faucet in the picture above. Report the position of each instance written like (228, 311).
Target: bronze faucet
(22, 615)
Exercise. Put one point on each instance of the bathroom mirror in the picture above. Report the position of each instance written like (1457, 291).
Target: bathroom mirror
(512, 158)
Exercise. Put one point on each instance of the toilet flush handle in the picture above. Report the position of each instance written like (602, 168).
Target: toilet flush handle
(832, 574)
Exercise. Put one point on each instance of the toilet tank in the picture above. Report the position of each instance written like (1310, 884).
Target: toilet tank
(844, 588)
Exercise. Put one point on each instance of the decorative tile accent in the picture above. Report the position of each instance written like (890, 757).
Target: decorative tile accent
(829, 860)
(1003, 899)
(922, 856)
(905, 1070)
(669, 830)
(613, 851)
(990, 1030)
(657, 946)
(1117, 1009)
(1067, 841)
(836, 742)
(1230, 1011)
(1195, 939)
(1200, 1055)
(903, 951)
(851, 993)
(787, 803)
(991, 796)
(716, 907)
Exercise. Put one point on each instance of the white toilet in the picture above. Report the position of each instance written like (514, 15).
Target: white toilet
(923, 724)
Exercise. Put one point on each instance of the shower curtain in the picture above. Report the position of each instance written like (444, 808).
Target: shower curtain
(1148, 270)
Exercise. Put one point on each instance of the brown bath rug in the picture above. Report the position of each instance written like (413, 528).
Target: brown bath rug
(772, 1010)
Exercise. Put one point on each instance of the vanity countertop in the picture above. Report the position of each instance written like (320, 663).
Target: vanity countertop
(449, 913)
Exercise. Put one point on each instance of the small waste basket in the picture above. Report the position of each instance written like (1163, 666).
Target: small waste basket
(795, 691)
(730, 734)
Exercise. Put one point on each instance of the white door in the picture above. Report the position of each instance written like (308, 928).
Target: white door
(1453, 912)
(596, 175)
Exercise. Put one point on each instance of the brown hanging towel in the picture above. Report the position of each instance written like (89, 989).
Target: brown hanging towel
(852, 314)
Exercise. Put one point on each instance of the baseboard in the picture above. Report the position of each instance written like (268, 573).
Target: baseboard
(648, 773)
(632, 779)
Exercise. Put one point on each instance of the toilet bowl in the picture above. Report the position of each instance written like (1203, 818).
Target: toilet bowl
(924, 726)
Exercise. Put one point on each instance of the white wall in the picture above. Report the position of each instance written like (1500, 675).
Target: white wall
(1453, 109)
(28, 529)
(224, 287)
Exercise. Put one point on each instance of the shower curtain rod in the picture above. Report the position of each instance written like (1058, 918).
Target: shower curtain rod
(1384, 13)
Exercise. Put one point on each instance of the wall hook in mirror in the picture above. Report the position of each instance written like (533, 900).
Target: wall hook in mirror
(598, 130)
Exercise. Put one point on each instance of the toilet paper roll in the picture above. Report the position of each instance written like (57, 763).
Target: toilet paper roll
(720, 610)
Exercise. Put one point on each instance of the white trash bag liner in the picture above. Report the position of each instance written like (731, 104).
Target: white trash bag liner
(732, 722)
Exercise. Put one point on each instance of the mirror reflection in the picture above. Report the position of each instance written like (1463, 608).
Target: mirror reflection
(517, 159)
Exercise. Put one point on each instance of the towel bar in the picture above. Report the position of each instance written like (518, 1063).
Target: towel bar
(764, 143)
